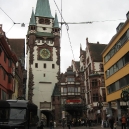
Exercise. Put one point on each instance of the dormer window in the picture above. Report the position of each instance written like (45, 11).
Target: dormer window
(41, 21)
(32, 27)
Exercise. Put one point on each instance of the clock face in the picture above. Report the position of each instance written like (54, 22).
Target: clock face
(44, 53)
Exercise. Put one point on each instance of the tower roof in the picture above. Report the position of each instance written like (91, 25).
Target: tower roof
(43, 9)
(32, 19)
(56, 24)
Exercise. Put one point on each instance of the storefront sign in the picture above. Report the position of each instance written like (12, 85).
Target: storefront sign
(73, 100)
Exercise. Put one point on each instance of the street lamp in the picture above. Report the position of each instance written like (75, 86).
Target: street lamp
(125, 98)
(84, 108)
(100, 107)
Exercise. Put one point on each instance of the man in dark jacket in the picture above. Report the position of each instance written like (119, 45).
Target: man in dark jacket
(69, 124)
(41, 125)
(111, 122)
(51, 124)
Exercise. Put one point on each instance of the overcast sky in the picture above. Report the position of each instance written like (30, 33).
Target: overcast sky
(105, 16)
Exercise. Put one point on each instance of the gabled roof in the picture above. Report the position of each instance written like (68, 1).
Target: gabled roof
(56, 24)
(32, 19)
(82, 52)
(96, 50)
(56, 91)
(69, 71)
(43, 9)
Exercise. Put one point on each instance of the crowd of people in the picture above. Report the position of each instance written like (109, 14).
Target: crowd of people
(124, 122)
(111, 122)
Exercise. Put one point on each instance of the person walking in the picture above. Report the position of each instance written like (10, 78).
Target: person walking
(114, 125)
(54, 124)
(69, 124)
(86, 122)
(111, 122)
(127, 121)
(41, 124)
(51, 124)
(123, 122)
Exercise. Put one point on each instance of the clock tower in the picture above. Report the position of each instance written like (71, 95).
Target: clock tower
(43, 57)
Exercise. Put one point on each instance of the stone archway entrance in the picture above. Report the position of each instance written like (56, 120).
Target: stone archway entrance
(47, 116)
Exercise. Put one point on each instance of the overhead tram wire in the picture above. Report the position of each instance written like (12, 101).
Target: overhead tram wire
(89, 22)
(10, 19)
(67, 27)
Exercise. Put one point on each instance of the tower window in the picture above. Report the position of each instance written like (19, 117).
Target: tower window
(41, 21)
(32, 27)
(36, 65)
(44, 65)
(44, 75)
(44, 28)
(44, 21)
(53, 66)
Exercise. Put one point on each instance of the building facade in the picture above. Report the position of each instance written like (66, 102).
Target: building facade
(43, 58)
(116, 64)
(18, 47)
(94, 81)
(8, 60)
(72, 95)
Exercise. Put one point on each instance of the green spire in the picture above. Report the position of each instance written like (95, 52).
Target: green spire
(43, 9)
(56, 24)
(32, 19)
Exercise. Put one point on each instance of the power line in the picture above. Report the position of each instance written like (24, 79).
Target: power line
(89, 22)
(9, 17)
(11, 20)
(66, 25)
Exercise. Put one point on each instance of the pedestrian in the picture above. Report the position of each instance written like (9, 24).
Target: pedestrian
(51, 124)
(69, 124)
(86, 122)
(123, 122)
(111, 122)
(63, 123)
(41, 124)
(54, 124)
(89, 122)
(127, 121)
(115, 125)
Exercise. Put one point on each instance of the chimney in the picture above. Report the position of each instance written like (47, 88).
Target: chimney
(86, 40)
(1, 28)
(119, 26)
(127, 15)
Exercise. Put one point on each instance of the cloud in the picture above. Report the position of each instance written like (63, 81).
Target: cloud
(97, 11)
